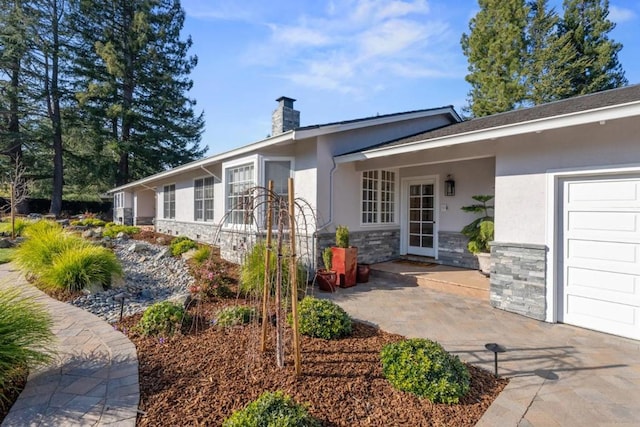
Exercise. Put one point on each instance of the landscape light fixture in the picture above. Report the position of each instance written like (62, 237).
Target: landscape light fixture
(495, 348)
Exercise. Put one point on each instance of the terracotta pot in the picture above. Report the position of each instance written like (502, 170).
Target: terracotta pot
(362, 274)
(344, 263)
(327, 280)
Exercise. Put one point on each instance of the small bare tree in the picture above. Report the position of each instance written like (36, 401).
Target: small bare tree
(18, 191)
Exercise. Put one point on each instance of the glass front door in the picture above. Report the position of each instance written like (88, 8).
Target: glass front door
(421, 221)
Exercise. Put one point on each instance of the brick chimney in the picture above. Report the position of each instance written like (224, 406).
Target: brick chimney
(284, 117)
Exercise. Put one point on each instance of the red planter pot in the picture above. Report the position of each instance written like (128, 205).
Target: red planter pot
(344, 263)
(327, 280)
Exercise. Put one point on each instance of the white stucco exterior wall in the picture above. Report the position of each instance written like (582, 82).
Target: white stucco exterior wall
(523, 163)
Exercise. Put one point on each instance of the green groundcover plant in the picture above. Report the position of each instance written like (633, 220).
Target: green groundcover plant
(163, 319)
(272, 410)
(424, 368)
(236, 315)
(111, 230)
(321, 318)
(25, 336)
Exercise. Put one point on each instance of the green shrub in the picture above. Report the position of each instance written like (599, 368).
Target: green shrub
(163, 318)
(252, 271)
(211, 279)
(44, 242)
(78, 267)
(25, 335)
(236, 315)
(322, 318)
(202, 254)
(111, 230)
(181, 246)
(89, 222)
(342, 236)
(272, 410)
(424, 368)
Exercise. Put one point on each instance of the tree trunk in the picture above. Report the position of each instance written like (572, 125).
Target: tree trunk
(54, 114)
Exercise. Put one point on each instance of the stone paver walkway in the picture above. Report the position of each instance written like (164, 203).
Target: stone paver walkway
(559, 375)
(93, 380)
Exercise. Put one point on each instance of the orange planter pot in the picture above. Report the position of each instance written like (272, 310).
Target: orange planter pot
(345, 261)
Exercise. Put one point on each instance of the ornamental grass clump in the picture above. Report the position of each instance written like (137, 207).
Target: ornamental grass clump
(163, 318)
(19, 227)
(272, 410)
(422, 367)
(252, 271)
(321, 318)
(201, 255)
(80, 267)
(45, 240)
(25, 336)
(236, 315)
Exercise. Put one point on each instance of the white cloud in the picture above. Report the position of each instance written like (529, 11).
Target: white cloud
(358, 46)
(620, 14)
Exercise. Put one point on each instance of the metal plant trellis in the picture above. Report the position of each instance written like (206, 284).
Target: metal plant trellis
(264, 210)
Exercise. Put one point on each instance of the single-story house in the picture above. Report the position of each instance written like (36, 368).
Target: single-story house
(565, 175)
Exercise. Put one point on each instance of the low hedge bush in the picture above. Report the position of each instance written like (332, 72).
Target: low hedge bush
(236, 315)
(163, 318)
(111, 230)
(321, 318)
(181, 244)
(272, 410)
(89, 222)
(25, 336)
(424, 368)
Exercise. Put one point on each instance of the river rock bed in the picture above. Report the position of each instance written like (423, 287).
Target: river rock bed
(150, 275)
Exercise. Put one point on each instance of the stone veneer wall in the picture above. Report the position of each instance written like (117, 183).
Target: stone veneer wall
(201, 232)
(452, 250)
(373, 245)
(123, 216)
(518, 277)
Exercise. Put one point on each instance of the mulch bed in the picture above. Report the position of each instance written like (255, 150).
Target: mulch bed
(201, 377)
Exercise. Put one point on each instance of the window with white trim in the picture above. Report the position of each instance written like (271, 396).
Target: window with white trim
(118, 200)
(203, 199)
(278, 171)
(169, 201)
(378, 197)
(239, 181)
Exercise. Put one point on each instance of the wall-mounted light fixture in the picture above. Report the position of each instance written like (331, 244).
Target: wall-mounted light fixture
(449, 186)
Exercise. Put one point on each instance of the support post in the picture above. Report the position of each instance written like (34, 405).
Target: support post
(267, 272)
(293, 279)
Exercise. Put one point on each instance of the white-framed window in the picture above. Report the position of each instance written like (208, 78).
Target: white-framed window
(278, 170)
(239, 181)
(378, 197)
(241, 176)
(203, 199)
(118, 200)
(169, 201)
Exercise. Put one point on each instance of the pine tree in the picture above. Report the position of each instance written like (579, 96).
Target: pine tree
(551, 59)
(132, 73)
(495, 48)
(586, 25)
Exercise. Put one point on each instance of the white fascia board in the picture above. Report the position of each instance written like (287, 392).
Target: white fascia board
(207, 161)
(376, 121)
(603, 114)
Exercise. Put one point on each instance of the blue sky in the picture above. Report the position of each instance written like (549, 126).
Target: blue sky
(340, 59)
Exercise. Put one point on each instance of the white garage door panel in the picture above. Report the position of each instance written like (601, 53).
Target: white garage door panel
(622, 222)
(604, 193)
(601, 254)
(603, 251)
(625, 284)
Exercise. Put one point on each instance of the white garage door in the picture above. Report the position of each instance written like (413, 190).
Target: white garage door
(601, 254)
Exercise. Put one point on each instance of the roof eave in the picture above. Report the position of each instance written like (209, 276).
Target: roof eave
(612, 112)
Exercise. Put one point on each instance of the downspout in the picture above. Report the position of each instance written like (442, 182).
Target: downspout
(330, 220)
